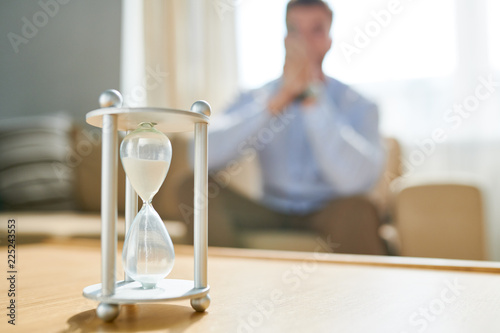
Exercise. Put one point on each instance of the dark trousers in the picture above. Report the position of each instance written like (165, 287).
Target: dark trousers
(351, 223)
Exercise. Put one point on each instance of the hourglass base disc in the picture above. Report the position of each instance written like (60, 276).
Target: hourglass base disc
(132, 292)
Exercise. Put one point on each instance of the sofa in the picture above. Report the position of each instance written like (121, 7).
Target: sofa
(52, 164)
(50, 174)
(50, 177)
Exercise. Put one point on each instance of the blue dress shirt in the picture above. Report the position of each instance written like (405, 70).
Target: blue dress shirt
(308, 155)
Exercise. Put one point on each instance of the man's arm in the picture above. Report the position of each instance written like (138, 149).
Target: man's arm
(347, 145)
(230, 133)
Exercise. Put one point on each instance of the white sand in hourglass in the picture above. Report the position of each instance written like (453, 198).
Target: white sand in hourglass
(146, 176)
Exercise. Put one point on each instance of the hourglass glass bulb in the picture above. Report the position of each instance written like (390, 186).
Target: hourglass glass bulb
(146, 154)
(148, 253)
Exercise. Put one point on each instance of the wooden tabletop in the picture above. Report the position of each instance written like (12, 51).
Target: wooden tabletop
(262, 291)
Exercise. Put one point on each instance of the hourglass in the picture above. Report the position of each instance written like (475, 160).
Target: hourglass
(148, 252)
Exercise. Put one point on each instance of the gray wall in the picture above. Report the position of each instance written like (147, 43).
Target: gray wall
(66, 63)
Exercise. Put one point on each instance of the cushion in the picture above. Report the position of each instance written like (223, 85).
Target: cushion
(36, 171)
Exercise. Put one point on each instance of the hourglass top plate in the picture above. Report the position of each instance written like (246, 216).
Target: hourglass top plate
(167, 120)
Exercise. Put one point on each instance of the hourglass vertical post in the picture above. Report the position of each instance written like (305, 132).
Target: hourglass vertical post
(109, 213)
(200, 206)
(130, 210)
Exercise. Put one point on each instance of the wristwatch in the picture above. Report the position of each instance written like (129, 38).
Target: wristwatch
(312, 91)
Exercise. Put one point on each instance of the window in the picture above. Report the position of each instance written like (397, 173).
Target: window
(374, 40)
(260, 26)
(493, 29)
(380, 41)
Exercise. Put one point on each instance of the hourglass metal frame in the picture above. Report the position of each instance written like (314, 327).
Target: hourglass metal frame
(111, 117)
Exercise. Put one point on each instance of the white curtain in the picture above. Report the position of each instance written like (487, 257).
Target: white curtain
(176, 52)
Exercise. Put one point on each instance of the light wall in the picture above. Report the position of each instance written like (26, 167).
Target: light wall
(57, 55)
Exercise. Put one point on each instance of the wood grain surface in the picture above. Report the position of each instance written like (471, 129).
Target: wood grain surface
(262, 291)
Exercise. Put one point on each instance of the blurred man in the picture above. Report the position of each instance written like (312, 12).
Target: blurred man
(317, 143)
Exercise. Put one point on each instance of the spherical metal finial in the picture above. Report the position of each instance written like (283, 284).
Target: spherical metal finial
(110, 99)
(200, 304)
(201, 107)
(107, 312)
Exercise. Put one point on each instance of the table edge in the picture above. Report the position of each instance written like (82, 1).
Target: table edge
(364, 260)
(320, 257)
